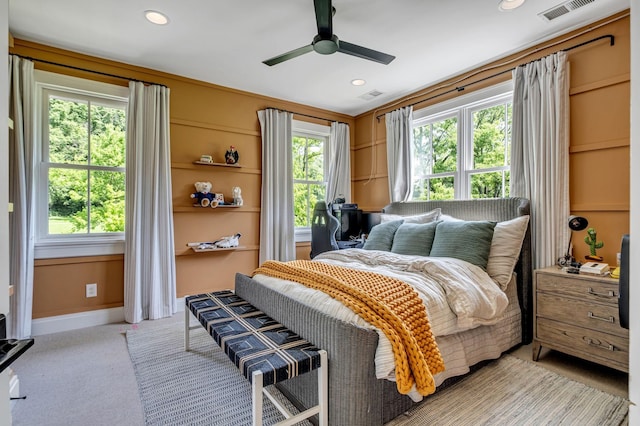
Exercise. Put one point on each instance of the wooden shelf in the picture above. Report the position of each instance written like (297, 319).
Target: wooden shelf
(190, 252)
(202, 163)
(198, 209)
(196, 164)
(198, 250)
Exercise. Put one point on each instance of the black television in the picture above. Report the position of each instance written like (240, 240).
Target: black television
(623, 283)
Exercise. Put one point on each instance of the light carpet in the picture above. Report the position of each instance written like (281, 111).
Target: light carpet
(203, 387)
(198, 387)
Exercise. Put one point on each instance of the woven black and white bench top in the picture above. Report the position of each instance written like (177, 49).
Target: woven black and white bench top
(251, 339)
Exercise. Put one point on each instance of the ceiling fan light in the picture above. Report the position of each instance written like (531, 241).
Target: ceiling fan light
(358, 82)
(156, 17)
(508, 5)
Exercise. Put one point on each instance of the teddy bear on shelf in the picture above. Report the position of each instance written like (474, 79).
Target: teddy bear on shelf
(203, 195)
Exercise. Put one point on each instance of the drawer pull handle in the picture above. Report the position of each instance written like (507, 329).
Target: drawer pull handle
(609, 293)
(598, 345)
(592, 316)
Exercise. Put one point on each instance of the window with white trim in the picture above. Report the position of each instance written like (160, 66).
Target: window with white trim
(309, 173)
(80, 200)
(461, 148)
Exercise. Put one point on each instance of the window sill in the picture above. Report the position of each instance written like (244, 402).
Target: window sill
(60, 248)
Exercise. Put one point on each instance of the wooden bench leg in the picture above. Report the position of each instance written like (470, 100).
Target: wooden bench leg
(256, 388)
(187, 329)
(323, 389)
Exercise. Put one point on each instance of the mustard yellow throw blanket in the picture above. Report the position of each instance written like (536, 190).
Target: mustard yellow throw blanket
(386, 303)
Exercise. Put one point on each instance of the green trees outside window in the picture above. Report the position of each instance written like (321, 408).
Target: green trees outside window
(85, 163)
(308, 176)
(463, 153)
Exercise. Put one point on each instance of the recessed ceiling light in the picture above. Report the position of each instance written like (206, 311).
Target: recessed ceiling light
(156, 17)
(507, 5)
(358, 82)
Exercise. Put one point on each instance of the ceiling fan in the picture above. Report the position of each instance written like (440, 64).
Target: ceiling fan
(326, 42)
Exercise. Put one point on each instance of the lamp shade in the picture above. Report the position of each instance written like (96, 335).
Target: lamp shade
(577, 223)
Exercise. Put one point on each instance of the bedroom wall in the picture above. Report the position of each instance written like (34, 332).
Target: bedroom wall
(599, 145)
(205, 119)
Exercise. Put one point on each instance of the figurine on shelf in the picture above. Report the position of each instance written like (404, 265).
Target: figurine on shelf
(231, 156)
(203, 195)
(204, 158)
(237, 196)
(228, 242)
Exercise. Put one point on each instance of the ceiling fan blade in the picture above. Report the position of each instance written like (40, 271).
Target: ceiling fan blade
(364, 53)
(324, 17)
(289, 55)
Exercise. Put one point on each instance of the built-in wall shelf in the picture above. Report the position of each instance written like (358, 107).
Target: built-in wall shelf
(199, 209)
(196, 164)
(193, 251)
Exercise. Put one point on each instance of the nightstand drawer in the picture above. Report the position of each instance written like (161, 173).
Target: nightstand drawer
(598, 289)
(599, 347)
(580, 313)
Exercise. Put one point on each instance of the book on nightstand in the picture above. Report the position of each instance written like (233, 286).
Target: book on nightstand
(595, 268)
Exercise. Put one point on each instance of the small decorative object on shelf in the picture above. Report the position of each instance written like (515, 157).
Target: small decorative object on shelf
(593, 244)
(231, 156)
(229, 242)
(203, 195)
(237, 196)
(206, 159)
(219, 198)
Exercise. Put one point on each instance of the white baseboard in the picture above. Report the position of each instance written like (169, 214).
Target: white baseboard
(83, 319)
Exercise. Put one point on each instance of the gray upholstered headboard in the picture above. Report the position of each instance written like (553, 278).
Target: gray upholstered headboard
(495, 209)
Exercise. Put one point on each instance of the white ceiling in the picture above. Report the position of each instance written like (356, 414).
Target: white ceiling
(225, 42)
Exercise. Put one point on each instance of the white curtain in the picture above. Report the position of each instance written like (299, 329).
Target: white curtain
(149, 265)
(399, 140)
(21, 194)
(277, 241)
(540, 152)
(338, 154)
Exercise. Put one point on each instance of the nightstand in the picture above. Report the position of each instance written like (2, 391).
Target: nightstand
(578, 315)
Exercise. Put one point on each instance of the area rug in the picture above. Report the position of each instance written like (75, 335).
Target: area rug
(511, 391)
(203, 387)
(198, 387)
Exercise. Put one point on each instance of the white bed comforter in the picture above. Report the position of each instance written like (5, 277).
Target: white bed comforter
(458, 295)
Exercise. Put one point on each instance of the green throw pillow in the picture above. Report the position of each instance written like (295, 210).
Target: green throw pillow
(414, 238)
(381, 236)
(465, 240)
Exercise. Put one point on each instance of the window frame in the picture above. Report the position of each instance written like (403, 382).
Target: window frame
(318, 131)
(462, 108)
(72, 245)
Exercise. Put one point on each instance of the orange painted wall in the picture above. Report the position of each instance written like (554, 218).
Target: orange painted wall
(205, 119)
(599, 146)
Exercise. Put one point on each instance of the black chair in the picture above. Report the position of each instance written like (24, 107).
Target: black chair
(323, 230)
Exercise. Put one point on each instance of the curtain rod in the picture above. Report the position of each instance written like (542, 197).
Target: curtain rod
(87, 70)
(307, 115)
(464, 86)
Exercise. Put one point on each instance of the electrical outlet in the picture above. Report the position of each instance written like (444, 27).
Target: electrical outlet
(91, 290)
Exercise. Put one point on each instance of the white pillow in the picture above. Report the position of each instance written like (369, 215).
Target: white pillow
(431, 216)
(505, 249)
(447, 218)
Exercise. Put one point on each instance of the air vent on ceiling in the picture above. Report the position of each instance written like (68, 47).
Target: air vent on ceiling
(563, 9)
(370, 95)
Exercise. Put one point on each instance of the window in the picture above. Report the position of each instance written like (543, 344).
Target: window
(81, 173)
(461, 148)
(309, 173)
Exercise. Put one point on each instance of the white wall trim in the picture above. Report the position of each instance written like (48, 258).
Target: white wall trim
(70, 322)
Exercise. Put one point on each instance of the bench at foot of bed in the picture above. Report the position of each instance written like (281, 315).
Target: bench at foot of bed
(264, 351)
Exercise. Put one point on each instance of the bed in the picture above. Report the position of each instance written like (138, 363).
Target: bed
(356, 395)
